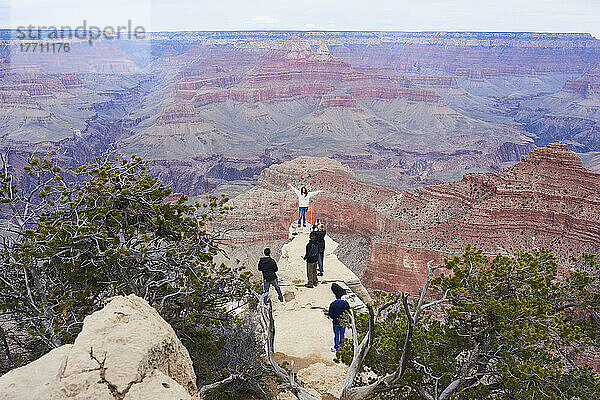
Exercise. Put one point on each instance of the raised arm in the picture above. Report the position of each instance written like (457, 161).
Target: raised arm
(294, 189)
(311, 194)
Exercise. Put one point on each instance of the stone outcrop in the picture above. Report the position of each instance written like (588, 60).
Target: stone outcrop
(179, 114)
(325, 379)
(304, 333)
(547, 200)
(414, 95)
(125, 351)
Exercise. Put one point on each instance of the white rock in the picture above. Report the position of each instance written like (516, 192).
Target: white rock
(130, 339)
(32, 380)
(326, 379)
(157, 386)
(126, 350)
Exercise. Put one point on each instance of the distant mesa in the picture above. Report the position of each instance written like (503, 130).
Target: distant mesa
(179, 114)
(555, 153)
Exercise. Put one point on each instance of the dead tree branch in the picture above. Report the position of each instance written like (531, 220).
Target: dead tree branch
(287, 377)
(391, 380)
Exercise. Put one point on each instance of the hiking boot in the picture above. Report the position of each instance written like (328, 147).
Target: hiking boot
(320, 274)
(281, 298)
(309, 285)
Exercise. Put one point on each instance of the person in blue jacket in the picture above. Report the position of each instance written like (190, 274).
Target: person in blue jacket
(336, 309)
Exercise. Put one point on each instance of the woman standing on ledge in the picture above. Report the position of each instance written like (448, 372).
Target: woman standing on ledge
(303, 201)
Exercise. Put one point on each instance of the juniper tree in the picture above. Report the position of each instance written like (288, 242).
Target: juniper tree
(78, 236)
(507, 328)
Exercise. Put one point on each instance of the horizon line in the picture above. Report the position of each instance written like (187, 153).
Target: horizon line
(324, 30)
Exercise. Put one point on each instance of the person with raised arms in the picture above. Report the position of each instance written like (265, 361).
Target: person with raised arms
(303, 202)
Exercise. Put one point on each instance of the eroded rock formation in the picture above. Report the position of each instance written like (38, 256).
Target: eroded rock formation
(430, 105)
(125, 351)
(547, 200)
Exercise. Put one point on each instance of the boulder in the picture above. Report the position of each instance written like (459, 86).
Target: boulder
(325, 379)
(157, 386)
(125, 351)
(32, 380)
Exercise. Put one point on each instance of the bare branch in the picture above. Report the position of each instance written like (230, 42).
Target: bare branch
(204, 390)
(360, 352)
(391, 380)
(268, 322)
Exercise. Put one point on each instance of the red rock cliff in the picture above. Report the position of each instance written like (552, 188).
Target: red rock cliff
(546, 200)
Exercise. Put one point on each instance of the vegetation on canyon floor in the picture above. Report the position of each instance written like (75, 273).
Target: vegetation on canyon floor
(510, 327)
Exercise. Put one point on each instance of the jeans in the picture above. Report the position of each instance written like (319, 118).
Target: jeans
(277, 289)
(302, 215)
(320, 262)
(311, 273)
(338, 335)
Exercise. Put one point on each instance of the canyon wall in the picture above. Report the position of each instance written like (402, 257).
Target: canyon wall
(407, 109)
(547, 200)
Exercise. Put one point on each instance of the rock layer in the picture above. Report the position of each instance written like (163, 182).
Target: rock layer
(431, 105)
(547, 200)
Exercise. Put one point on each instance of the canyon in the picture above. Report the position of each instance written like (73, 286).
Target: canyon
(547, 200)
(404, 109)
(422, 143)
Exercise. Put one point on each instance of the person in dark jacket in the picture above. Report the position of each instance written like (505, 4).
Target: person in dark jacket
(320, 232)
(336, 309)
(312, 257)
(268, 267)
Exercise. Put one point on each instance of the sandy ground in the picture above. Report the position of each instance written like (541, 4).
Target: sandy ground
(303, 331)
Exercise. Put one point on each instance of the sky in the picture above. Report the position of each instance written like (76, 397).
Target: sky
(414, 15)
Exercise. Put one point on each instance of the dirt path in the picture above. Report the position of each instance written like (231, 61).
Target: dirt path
(303, 332)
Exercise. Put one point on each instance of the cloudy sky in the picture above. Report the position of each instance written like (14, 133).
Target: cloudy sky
(413, 15)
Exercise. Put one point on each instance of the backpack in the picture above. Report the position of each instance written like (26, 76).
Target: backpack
(313, 250)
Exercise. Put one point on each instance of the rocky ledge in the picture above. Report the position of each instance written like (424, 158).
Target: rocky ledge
(547, 200)
(125, 351)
